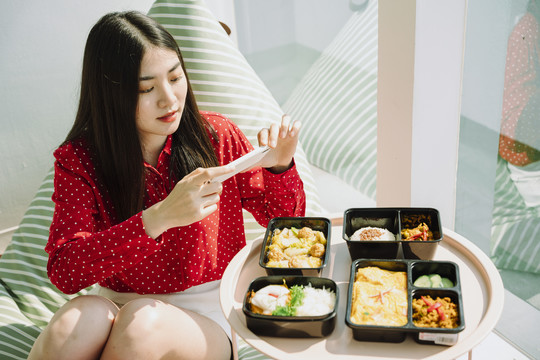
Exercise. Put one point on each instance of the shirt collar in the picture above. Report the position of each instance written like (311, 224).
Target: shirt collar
(164, 154)
(168, 146)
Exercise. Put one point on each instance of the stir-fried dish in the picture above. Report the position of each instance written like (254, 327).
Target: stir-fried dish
(438, 313)
(421, 232)
(296, 248)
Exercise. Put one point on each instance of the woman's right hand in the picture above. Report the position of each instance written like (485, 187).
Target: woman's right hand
(192, 199)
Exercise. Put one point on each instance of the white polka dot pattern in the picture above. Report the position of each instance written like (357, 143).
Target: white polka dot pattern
(86, 246)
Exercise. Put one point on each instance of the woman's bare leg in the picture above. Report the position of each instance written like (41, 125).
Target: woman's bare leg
(151, 329)
(78, 330)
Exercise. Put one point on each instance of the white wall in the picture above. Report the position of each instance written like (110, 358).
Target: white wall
(319, 27)
(42, 45)
(263, 24)
(440, 30)
(224, 11)
(419, 103)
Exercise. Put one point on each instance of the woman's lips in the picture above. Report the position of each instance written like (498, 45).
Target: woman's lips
(169, 117)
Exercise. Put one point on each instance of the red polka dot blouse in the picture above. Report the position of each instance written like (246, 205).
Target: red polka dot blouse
(521, 82)
(86, 246)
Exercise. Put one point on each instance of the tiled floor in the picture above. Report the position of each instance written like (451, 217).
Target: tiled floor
(495, 348)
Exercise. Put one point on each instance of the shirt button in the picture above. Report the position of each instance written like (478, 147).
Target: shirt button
(144, 250)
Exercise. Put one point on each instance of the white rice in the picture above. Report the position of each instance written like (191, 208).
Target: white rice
(316, 302)
(385, 234)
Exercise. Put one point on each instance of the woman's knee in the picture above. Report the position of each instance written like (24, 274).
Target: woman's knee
(150, 326)
(81, 326)
(145, 318)
(84, 312)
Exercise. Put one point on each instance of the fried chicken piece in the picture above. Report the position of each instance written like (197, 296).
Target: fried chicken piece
(292, 252)
(306, 232)
(317, 250)
(314, 262)
(299, 261)
(275, 254)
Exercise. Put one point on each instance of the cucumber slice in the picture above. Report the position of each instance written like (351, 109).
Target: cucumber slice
(436, 280)
(423, 281)
(447, 283)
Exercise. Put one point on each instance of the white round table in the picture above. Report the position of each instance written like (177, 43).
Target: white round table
(482, 296)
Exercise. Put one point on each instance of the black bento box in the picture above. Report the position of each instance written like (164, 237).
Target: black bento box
(291, 326)
(315, 223)
(413, 269)
(394, 220)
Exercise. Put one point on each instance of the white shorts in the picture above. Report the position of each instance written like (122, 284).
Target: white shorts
(202, 299)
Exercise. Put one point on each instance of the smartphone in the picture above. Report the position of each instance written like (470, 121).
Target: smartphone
(245, 162)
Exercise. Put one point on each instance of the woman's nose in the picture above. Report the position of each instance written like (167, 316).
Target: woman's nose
(167, 96)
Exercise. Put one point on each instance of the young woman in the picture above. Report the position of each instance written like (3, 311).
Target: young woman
(137, 212)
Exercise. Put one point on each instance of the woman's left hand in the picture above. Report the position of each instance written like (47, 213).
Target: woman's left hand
(283, 140)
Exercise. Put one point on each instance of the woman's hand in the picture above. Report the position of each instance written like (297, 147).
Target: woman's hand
(192, 199)
(283, 139)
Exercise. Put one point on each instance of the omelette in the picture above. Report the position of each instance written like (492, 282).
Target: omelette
(379, 297)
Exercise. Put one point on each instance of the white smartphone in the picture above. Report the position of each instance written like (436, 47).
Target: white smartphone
(245, 162)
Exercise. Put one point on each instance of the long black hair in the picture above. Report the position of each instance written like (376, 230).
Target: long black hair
(108, 104)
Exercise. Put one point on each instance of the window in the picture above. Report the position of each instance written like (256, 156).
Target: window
(319, 60)
(498, 166)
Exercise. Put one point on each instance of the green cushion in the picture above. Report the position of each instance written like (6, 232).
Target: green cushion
(23, 265)
(27, 298)
(515, 227)
(337, 103)
(17, 332)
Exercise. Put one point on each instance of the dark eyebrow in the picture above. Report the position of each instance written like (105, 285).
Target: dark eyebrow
(143, 78)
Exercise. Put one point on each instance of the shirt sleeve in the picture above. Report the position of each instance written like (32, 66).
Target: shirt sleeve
(84, 245)
(282, 195)
(264, 194)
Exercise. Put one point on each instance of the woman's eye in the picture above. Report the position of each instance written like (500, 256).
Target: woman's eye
(145, 91)
(176, 79)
